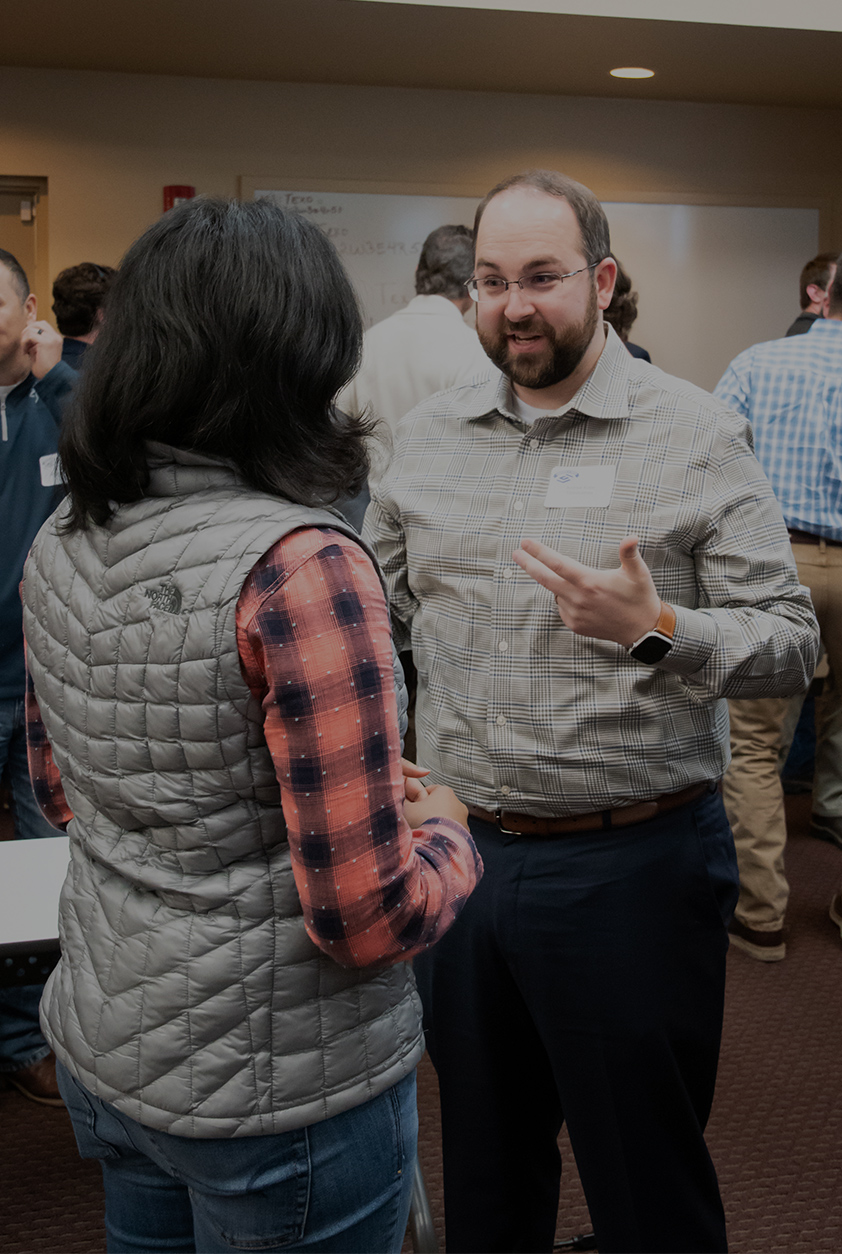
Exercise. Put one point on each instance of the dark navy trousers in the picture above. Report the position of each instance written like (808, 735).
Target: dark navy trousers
(584, 983)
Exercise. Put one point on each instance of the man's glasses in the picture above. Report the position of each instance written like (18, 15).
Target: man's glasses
(493, 287)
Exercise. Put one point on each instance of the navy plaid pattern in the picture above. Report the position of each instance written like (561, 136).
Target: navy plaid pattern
(515, 711)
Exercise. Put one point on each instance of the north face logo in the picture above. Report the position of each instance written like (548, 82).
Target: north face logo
(166, 598)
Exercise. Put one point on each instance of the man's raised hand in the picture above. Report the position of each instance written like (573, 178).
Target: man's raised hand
(619, 605)
(42, 346)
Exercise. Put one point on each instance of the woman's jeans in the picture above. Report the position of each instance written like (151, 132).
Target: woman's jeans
(341, 1185)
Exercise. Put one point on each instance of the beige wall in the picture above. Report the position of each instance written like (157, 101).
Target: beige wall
(109, 142)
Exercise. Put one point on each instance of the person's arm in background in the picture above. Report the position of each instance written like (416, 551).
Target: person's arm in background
(380, 878)
(734, 388)
(54, 379)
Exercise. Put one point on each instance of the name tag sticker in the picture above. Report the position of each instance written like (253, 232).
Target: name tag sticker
(583, 486)
(50, 471)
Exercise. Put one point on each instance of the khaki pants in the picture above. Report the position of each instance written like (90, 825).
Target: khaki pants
(752, 788)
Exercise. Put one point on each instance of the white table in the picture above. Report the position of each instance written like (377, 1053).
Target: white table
(31, 875)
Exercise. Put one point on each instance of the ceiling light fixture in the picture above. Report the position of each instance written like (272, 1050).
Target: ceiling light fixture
(631, 71)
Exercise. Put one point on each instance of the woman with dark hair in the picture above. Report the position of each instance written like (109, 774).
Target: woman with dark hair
(214, 717)
(622, 311)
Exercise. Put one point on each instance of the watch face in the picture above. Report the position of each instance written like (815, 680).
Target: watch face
(651, 648)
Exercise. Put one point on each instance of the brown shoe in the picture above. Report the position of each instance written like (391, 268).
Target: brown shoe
(38, 1081)
(764, 946)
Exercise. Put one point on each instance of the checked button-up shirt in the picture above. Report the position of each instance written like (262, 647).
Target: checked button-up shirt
(516, 711)
(790, 391)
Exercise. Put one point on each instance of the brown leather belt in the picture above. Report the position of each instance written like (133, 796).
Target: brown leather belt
(807, 537)
(512, 824)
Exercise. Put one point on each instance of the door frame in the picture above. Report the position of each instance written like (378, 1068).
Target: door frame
(35, 187)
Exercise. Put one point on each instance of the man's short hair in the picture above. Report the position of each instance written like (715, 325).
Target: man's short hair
(593, 224)
(816, 272)
(834, 304)
(622, 310)
(78, 292)
(17, 272)
(446, 263)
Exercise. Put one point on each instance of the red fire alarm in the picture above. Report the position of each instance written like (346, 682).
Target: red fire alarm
(177, 194)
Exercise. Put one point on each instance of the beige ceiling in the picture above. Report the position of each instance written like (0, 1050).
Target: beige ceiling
(406, 45)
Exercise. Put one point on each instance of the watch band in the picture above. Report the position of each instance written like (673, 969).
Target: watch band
(665, 625)
(656, 643)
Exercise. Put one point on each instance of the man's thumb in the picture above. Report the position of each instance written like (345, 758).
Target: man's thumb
(630, 558)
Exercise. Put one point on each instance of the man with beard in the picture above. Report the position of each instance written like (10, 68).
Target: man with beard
(586, 730)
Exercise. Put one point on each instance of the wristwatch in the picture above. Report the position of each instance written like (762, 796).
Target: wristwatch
(657, 643)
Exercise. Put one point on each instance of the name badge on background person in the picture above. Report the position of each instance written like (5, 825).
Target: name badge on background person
(582, 486)
(50, 470)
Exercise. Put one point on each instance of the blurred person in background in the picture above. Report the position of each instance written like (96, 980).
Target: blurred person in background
(425, 347)
(214, 717)
(815, 279)
(34, 386)
(622, 311)
(78, 294)
(789, 390)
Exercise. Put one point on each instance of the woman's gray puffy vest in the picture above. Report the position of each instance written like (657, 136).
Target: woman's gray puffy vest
(189, 994)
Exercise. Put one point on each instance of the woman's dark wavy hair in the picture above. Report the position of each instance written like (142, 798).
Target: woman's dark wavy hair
(231, 327)
(622, 311)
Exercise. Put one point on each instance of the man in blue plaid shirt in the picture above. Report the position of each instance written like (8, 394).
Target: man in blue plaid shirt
(790, 390)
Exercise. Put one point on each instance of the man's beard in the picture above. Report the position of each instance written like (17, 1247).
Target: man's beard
(542, 370)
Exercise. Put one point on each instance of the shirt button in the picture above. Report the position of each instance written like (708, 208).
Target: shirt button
(505, 790)
(518, 506)
(531, 444)
(500, 720)
(503, 646)
(508, 572)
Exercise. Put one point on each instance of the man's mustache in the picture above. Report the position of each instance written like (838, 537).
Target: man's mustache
(526, 324)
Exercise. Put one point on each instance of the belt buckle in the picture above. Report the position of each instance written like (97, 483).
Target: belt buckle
(507, 831)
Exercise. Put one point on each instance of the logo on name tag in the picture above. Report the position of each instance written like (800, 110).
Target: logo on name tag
(585, 487)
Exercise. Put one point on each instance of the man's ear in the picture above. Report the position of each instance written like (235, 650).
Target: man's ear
(817, 294)
(30, 307)
(605, 276)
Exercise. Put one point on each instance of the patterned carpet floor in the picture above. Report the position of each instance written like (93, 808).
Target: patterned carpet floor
(775, 1133)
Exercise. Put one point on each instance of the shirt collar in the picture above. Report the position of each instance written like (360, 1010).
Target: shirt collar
(438, 305)
(825, 326)
(604, 394)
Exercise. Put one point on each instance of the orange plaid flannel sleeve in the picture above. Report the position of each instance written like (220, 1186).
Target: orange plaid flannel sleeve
(315, 643)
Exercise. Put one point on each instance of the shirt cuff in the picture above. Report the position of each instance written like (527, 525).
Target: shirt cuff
(693, 643)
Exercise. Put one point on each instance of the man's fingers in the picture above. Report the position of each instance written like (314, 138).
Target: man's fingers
(567, 567)
(412, 769)
(413, 789)
(539, 572)
(549, 568)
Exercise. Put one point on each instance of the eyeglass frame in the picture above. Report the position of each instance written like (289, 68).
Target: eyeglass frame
(473, 292)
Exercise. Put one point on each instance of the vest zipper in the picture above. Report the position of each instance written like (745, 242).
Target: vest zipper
(3, 424)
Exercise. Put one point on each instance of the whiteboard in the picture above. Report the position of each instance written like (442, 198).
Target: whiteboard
(378, 237)
(712, 279)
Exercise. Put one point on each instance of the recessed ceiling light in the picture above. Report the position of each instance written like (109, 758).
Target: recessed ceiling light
(632, 71)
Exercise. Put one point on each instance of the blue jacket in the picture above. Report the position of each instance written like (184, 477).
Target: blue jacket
(27, 498)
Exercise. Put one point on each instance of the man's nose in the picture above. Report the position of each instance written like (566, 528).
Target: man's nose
(518, 304)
